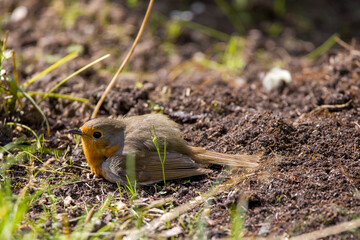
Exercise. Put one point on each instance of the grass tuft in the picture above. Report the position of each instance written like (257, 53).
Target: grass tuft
(162, 159)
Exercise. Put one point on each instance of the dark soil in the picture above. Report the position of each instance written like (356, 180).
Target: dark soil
(308, 131)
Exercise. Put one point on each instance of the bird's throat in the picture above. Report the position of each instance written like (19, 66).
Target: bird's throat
(96, 154)
(94, 157)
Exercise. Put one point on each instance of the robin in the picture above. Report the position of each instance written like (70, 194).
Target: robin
(108, 142)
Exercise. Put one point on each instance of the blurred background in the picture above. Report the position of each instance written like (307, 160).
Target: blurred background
(114, 23)
(225, 35)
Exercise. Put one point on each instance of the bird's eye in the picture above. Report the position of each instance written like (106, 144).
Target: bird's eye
(97, 134)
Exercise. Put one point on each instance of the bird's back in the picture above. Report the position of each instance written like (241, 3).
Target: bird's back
(140, 128)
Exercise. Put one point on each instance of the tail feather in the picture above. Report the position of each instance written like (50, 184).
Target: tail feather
(207, 157)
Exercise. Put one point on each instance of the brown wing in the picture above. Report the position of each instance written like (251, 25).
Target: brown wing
(149, 168)
(139, 129)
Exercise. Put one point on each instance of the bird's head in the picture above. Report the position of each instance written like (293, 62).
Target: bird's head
(101, 138)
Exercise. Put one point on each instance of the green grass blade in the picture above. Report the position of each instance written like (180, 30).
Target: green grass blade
(58, 95)
(206, 30)
(83, 230)
(23, 126)
(131, 170)
(232, 14)
(10, 146)
(74, 74)
(37, 108)
(164, 150)
(13, 212)
(51, 68)
(323, 48)
(13, 92)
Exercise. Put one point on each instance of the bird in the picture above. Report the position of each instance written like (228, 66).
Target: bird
(108, 143)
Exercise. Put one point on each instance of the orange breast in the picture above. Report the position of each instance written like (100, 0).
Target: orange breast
(93, 155)
(96, 154)
(111, 150)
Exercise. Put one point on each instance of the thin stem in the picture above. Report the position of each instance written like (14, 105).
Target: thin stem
(113, 81)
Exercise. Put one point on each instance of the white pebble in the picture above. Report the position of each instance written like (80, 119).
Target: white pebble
(19, 14)
(120, 205)
(275, 77)
(68, 201)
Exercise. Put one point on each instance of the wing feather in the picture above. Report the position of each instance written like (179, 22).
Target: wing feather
(149, 168)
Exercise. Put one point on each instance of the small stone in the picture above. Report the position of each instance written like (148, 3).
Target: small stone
(184, 191)
(19, 14)
(120, 206)
(275, 77)
(68, 201)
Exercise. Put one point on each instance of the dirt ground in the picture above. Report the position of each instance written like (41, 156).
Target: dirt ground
(308, 131)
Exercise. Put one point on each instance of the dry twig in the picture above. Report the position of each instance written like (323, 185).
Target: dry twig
(113, 81)
(320, 108)
(333, 230)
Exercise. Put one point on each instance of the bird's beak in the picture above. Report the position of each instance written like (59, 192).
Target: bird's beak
(76, 131)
